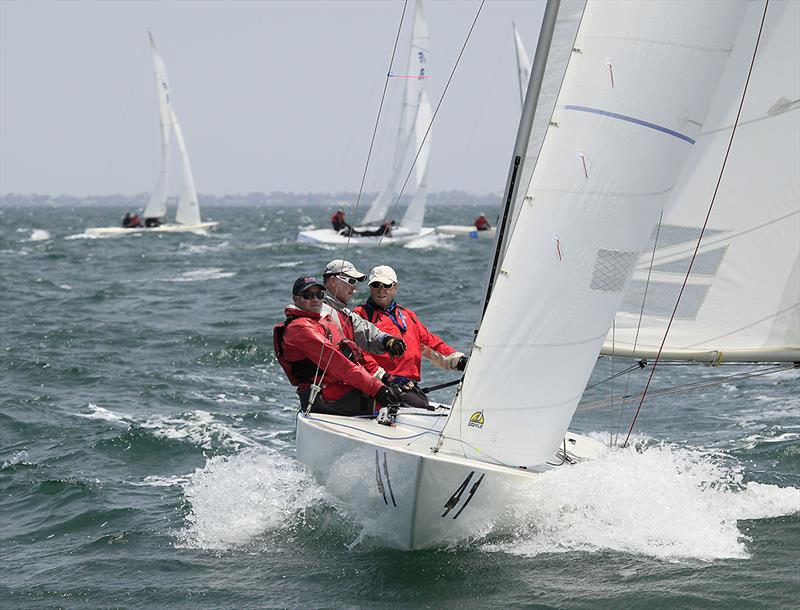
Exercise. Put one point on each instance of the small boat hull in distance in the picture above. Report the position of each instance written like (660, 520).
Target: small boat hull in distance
(417, 498)
(465, 231)
(202, 227)
(329, 237)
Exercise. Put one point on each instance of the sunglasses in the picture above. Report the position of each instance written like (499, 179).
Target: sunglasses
(313, 295)
(377, 285)
(346, 278)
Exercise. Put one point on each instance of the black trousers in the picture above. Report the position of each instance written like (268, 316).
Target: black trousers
(352, 403)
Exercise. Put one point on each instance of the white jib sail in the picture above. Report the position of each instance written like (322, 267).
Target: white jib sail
(637, 89)
(413, 88)
(157, 204)
(415, 214)
(742, 298)
(523, 65)
(188, 212)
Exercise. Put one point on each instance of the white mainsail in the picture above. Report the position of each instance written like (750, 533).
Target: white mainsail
(409, 128)
(157, 204)
(638, 84)
(414, 217)
(188, 212)
(742, 299)
(523, 65)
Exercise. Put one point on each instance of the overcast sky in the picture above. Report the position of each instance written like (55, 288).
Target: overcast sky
(272, 96)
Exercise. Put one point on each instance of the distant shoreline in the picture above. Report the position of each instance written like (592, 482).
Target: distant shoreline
(275, 199)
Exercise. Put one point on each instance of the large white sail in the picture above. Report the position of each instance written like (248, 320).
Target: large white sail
(415, 214)
(414, 79)
(157, 204)
(636, 90)
(188, 212)
(523, 64)
(742, 300)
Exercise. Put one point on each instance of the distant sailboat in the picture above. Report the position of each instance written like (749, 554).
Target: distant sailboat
(415, 119)
(187, 215)
(615, 146)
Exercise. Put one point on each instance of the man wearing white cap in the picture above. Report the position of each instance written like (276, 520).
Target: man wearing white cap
(340, 278)
(382, 310)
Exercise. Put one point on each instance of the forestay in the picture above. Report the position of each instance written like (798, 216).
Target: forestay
(157, 204)
(412, 108)
(741, 300)
(637, 88)
(188, 212)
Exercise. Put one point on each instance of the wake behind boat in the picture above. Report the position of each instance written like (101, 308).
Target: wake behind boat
(330, 237)
(187, 214)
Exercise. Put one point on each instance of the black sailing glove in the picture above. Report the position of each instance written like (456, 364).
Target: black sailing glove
(394, 346)
(462, 363)
(388, 395)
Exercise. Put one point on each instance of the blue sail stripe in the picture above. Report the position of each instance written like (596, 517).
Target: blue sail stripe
(630, 119)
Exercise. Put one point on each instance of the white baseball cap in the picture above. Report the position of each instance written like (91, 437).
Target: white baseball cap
(383, 274)
(343, 267)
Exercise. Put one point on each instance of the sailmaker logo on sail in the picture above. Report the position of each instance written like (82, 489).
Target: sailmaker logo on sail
(476, 420)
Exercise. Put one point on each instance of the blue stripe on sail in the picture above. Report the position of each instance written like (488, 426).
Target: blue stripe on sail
(630, 119)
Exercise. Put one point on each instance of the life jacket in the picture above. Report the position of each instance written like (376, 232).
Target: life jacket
(303, 372)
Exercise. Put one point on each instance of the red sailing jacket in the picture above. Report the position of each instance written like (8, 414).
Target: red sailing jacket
(482, 224)
(307, 337)
(415, 335)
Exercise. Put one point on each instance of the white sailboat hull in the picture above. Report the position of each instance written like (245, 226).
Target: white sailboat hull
(465, 231)
(329, 237)
(202, 227)
(416, 498)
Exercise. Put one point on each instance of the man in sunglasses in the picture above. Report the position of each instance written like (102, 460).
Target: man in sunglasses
(313, 352)
(340, 278)
(382, 310)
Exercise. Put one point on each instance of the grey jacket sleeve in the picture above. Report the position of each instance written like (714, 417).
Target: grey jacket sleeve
(367, 335)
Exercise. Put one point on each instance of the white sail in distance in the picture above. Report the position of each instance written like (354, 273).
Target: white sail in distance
(188, 212)
(742, 299)
(523, 64)
(157, 204)
(414, 79)
(415, 214)
(614, 149)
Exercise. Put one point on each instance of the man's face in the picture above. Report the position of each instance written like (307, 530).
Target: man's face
(341, 287)
(310, 299)
(383, 294)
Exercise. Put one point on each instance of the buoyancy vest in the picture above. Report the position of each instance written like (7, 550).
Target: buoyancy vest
(303, 372)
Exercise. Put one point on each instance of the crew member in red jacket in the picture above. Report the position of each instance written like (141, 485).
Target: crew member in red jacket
(312, 350)
(382, 310)
(482, 223)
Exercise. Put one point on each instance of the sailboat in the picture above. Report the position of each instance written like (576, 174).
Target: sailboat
(524, 76)
(625, 88)
(187, 214)
(413, 140)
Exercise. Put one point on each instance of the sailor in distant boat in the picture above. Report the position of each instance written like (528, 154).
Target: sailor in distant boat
(328, 369)
(126, 221)
(152, 222)
(340, 225)
(136, 222)
(340, 278)
(382, 310)
(385, 229)
(482, 223)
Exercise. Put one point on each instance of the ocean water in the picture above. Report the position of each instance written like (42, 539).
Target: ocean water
(147, 444)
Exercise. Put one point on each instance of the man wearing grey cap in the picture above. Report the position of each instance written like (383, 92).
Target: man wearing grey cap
(340, 278)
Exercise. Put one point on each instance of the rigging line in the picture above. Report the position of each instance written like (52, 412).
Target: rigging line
(639, 322)
(598, 404)
(435, 112)
(639, 365)
(705, 222)
(378, 118)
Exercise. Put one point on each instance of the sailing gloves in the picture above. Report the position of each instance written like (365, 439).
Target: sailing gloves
(388, 395)
(403, 383)
(462, 363)
(394, 346)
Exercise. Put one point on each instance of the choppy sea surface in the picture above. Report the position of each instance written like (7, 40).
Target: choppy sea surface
(147, 444)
